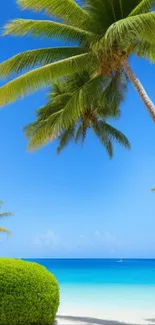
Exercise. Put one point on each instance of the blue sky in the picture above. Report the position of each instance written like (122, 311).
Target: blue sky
(79, 204)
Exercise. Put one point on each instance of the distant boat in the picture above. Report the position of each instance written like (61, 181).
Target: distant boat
(120, 261)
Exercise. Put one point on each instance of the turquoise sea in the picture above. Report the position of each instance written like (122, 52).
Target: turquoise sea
(108, 288)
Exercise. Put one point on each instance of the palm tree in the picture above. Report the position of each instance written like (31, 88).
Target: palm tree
(47, 126)
(2, 215)
(106, 33)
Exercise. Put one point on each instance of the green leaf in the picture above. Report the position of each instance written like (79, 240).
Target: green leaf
(78, 134)
(40, 57)
(107, 133)
(53, 106)
(81, 99)
(67, 10)
(64, 112)
(51, 124)
(108, 146)
(42, 77)
(143, 7)
(65, 138)
(145, 50)
(129, 29)
(43, 132)
(47, 28)
(2, 215)
(107, 12)
(5, 231)
(5, 214)
(116, 135)
(114, 94)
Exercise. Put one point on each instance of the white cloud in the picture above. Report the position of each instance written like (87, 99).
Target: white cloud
(83, 241)
(51, 241)
(105, 238)
(47, 239)
(97, 234)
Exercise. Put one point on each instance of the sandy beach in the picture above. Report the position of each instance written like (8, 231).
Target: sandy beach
(109, 318)
(109, 306)
(104, 292)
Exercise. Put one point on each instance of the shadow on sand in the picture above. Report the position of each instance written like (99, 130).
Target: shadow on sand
(88, 321)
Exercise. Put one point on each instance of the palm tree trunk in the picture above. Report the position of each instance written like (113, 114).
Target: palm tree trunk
(139, 88)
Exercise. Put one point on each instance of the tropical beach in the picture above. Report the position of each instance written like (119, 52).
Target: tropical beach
(105, 291)
(77, 130)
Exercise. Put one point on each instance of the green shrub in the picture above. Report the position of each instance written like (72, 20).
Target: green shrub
(29, 294)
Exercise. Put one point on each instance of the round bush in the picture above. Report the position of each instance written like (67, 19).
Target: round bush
(29, 294)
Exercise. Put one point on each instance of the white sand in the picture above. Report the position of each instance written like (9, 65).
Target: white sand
(107, 305)
(81, 315)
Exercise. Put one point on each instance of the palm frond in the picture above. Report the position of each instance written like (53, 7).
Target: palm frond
(40, 138)
(78, 134)
(128, 30)
(105, 140)
(145, 50)
(107, 12)
(42, 77)
(107, 134)
(75, 108)
(5, 214)
(67, 10)
(2, 215)
(64, 139)
(82, 98)
(62, 98)
(35, 58)
(43, 114)
(72, 106)
(42, 132)
(99, 14)
(143, 7)
(84, 132)
(47, 28)
(57, 86)
(108, 146)
(114, 95)
(31, 128)
(53, 106)
(114, 134)
(5, 231)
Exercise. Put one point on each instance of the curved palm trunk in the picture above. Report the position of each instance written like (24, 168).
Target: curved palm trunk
(140, 89)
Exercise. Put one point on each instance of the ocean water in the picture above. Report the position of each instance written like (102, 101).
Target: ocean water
(112, 289)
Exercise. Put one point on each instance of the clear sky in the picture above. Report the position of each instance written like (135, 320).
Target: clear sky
(79, 204)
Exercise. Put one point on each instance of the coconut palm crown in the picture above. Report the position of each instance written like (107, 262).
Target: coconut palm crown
(94, 115)
(2, 215)
(106, 33)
